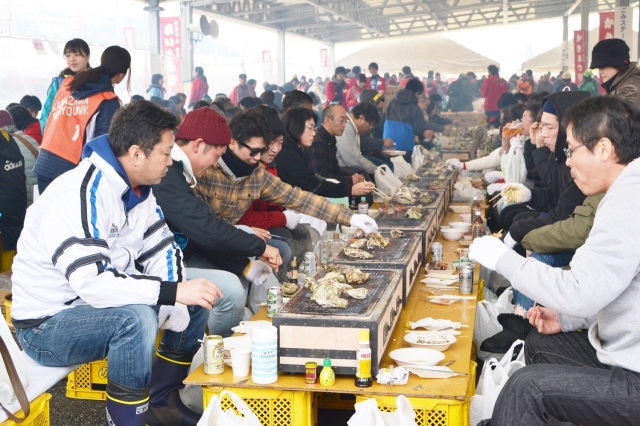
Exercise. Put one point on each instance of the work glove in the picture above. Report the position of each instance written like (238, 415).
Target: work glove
(509, 241)
(174, 318)
(495, 187)
(516, 193)
(293, 218)
(486, 251)
(493, 176)
(364, 222)
(454, 163)
(257, 272)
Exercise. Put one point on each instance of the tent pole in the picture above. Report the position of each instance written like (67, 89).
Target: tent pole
(565, 42)
(585, 9)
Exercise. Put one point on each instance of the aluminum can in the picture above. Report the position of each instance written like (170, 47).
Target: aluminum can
(466, 278)
(213, 355)
(437, 251)
(310, 263)
(464, 255)
(311, 373)
(274, 301)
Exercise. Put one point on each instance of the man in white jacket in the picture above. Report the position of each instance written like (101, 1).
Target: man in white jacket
(360, 120)
(98, 270)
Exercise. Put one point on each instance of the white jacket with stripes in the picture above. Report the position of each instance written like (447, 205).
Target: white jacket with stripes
(80, 245)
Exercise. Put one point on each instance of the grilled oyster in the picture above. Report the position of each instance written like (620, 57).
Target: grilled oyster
(413, 177)
(359, 234)
(357, 253)
(289, 289)
(396, 233)
(343, 269)
(332, 276)
(328, 295)
(426, 198)
(404, 196)
(310, 283)
(377, 240)
(357, 293)
(357, 276)
(414, 212)
(360, 243)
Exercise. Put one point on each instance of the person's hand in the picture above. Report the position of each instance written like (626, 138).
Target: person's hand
(454, 163)
(544, 319)
(263, 234)
(357, 178)
(486, 251)
(271, 257)
(175, 318)
(364, 222)
(293, 218)
(362, 188)
(257, 272)
(528, 253)
(428, 134)
(388, 142)
(509, 241)
(494, 187)
(493, 176)
(516, 193)
(534, 130)
(198, 291)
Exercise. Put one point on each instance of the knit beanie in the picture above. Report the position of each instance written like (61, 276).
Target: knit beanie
(371, 96)
(21, 117)
(611, 52)
(207, 124)
(5, 119)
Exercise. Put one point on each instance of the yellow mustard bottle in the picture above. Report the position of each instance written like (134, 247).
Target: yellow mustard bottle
(327, 376)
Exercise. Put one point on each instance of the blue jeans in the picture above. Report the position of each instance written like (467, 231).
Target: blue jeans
(127, 334)
(557, 260)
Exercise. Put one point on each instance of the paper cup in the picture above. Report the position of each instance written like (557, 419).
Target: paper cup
(240, 359)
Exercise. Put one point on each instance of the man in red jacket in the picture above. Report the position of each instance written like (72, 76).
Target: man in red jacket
(492, 88)
(336, 89)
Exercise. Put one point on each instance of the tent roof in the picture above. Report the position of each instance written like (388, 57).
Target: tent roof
(421, 54)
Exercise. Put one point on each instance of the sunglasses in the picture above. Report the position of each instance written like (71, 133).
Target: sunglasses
(254, 151)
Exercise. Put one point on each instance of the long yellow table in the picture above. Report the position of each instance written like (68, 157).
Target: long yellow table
(432, 393)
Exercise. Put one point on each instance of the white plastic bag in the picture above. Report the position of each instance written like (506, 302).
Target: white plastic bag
(386, 181)
(7, 395)
(214, 416)
(464, 191)
(493, 378)
(512, 163)
(401, 168)
(486, 322)
(368, 414)
(417, 158)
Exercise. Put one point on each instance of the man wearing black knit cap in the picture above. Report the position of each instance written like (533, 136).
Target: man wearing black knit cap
(620, 76)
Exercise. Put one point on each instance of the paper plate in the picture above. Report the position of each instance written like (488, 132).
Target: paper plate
(416, 357)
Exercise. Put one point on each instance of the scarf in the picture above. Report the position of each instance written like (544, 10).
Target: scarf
(238, 167)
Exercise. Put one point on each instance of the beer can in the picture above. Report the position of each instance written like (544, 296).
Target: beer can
(310, 263)
(274, 301)
(464, 255)
(213, 355)
(437, 251)
(466, 278)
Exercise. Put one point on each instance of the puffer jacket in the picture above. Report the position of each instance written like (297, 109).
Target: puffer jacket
(626, 86)
(29, 162)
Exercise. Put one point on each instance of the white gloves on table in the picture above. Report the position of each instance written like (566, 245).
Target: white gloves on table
(258, 272)
(454, 162)
(493, 176)
(516, 193)
(364, 222)
(495, 187)
(509, 241)
(486, 251)
(293, 218)
(174, 318)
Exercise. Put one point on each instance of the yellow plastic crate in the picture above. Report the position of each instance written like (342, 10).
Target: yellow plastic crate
(89, 381)
(335, 401)
(7, 309)
(273, 407)
(431, 411)
(39, 415)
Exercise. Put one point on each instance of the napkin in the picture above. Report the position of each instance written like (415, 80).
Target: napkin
(432, 323)
(393, 376)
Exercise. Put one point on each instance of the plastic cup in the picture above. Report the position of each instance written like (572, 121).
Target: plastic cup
(240, 358)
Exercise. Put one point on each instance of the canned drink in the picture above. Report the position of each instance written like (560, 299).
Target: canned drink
(213, 355)
(274, 301)
(437, 251)
(466, 278)
(464, 255)
(311, 373)
(310, 263)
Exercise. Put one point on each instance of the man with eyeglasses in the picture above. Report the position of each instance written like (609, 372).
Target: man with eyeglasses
(582, 362)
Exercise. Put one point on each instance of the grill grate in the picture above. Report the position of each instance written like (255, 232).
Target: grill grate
(399, 221)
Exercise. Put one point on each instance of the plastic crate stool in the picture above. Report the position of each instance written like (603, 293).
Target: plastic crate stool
(39, 415)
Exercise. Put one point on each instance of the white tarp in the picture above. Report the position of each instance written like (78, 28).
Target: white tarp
(420, 53)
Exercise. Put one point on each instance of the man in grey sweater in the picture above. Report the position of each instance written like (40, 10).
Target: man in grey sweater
(583, 377)
(360, 120)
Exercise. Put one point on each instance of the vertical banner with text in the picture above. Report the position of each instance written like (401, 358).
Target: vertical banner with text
(623, 28)
(579, 56)
(171, 48)
(607, 24)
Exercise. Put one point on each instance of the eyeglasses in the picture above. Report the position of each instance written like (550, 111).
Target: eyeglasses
(341, 120)
(312, 129)
(254, 151)
(569, 151)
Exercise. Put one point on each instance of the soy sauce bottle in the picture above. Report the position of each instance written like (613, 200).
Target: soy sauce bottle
(363, 377)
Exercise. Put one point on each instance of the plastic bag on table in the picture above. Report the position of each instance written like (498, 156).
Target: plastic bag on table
(486, 322)
(215, 416)
(512, 163)
(401, 168)
(368, 414)
(386, 181)
(417, 158)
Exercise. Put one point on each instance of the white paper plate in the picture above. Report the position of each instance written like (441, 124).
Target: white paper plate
(434, 372)
(416, 357)
(412, 339)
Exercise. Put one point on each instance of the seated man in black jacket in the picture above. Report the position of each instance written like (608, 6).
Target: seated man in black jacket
(207, 242)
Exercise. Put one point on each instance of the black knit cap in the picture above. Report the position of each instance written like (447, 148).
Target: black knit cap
(611, 52)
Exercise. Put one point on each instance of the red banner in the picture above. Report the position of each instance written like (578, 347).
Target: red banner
(129, 38)
(324, 60)
(6, 20)
(170, 41)
(172, 75)
(579, 54)
(607, 24)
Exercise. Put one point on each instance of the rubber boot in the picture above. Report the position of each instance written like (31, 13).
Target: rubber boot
(126, 406)
(170, 368)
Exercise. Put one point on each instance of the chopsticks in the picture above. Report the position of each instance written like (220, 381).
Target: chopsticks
(380, 193)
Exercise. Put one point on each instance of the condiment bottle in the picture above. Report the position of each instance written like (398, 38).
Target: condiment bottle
(327, 376)
(363, 355)
(476, 209)
(477, 230)
(353, 202)
(293, 272)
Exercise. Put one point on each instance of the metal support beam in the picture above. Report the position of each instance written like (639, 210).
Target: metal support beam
(186, 41)
(585, 9)
(565, 41)
(154, 10)
(281, 55)
(620, 3)
(572, 8)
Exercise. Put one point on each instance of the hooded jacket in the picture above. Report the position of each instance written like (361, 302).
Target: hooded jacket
(155, 90)
(560, 196)
(626, 86)
(13, 191)
(404, 109)
(492, 88)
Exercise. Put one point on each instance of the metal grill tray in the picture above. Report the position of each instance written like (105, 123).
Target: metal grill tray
(437, 196)
(397, 249)
(301, 302)
(399, 221)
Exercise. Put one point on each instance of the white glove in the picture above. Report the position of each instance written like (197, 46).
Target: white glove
(258, 272)
(174, 318)
(364, 222)
(509, 241)
(454, 162)
(495, 187)
(493, 176)
(293, 218)
(486, 251)
(516, 193)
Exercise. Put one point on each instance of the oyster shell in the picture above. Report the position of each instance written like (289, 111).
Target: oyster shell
(357, 276)
(359, 243)
(328, 295)
(413, 177)
(343, 269)
(426, 198)
(396, 233)
(310, 283)
(357, 253)
(404, 196)
(359, 234)
(377, 240)
(289, 289)
(332, 276)
(414, 212)
(357, 293)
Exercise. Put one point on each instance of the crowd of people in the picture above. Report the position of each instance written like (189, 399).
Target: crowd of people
(159, 214)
